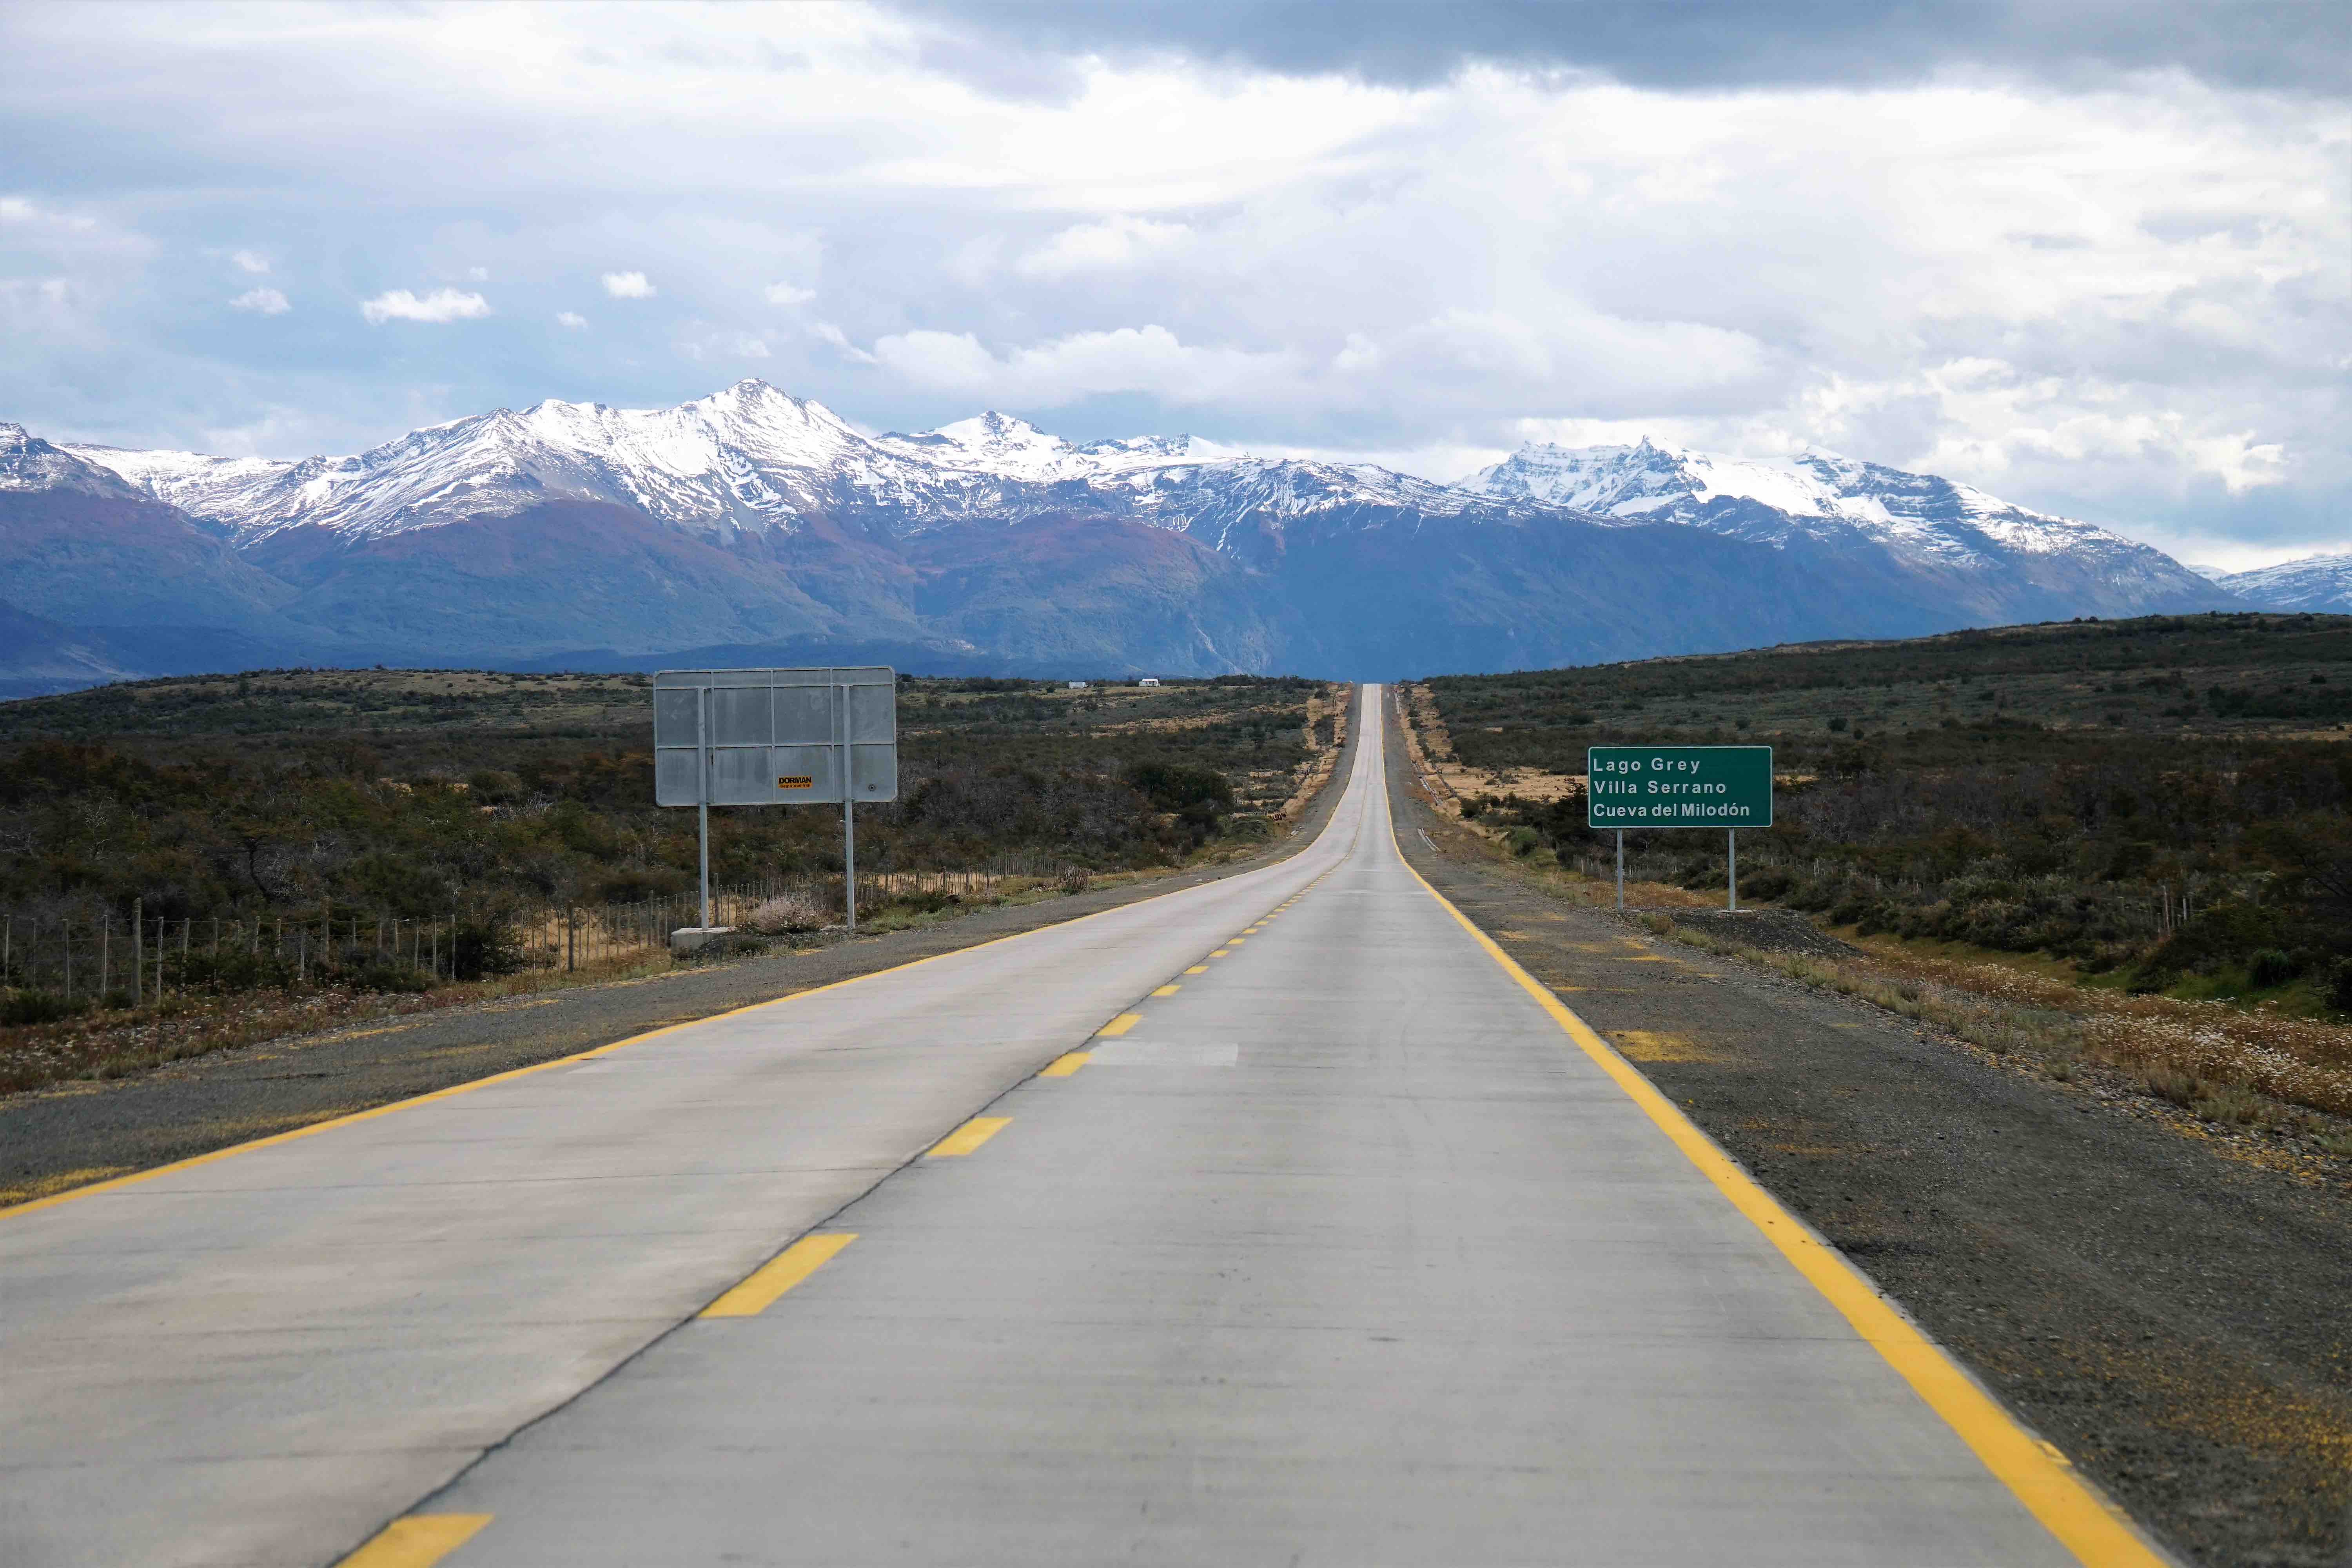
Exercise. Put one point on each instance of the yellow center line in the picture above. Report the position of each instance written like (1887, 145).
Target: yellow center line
(1064, 1065)
(1198, 969)
(418, 1541)
(787, 1268)
(2037, 1474)
(969, 1136)
(1119, 1025)
(1168, 991)
(1219, 953)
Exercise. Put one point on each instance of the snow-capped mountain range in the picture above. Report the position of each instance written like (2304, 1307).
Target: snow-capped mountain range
(753, 519)
(2321, 584)
(749, 459)
(1814, 494)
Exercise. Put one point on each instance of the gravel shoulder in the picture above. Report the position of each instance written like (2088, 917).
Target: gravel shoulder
(2177, 1322)
(84, 1131)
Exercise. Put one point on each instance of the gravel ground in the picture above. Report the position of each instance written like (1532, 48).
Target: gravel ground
(1767, 931)
(88, 1131)
(2178, 1322)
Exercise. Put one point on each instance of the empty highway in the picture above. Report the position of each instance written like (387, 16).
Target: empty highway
(1276, 1221)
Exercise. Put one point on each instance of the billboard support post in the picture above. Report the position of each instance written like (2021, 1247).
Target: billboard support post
(1732, 865)
(848, 824)
(1620, 870)
(702, 806)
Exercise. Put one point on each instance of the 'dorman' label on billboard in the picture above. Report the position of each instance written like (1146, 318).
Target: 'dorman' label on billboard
(1678, 786)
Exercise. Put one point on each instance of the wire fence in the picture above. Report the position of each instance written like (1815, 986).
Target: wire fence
(136, 960)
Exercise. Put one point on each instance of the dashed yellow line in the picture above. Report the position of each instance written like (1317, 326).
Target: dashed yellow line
(1169, 990)
(418, 1541)
(1119, 1025)
(968, 1137)
(787, 1268)
(1064, 1065)
(1198, 969)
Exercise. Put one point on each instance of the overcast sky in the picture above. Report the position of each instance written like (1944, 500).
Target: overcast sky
(2095, 258)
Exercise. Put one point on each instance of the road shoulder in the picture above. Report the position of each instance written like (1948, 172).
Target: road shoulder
(2147, 1305)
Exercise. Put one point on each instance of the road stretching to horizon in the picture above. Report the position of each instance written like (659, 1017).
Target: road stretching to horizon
(1274, 1221)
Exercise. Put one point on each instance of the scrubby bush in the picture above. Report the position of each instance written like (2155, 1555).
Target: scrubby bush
(479, 949)
(2269, 967)
(2339, 985)
(792, 912)
(24, 1006)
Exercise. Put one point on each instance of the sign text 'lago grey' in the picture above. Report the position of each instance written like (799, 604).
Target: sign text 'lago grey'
(1678, 786)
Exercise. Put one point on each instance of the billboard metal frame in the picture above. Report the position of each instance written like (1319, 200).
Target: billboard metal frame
(816, 736)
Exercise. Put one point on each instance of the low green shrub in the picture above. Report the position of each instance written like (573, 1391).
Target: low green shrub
(2269, 967)
(29, 1005)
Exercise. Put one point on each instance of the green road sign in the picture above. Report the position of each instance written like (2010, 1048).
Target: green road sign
(1678, 786)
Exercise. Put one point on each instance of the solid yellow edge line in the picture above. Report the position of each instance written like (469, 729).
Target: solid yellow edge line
(1064, 1065)
(787, 1268)
(114, 1182)
(416, 1540)
(1120, 1025)
(969, 1136)
(2039, 1476)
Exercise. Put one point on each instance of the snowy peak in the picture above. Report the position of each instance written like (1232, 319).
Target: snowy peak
(1002, 446)
(29, 463)
(2321, 584)
(994, 443)
(1633, 481)
(748, 456)
(1813, 493)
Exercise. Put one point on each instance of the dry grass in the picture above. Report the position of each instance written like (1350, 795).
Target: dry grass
(2223, 1064)
(1337, 702)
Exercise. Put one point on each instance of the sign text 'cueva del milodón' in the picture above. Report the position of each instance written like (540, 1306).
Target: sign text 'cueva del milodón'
(1678, 786)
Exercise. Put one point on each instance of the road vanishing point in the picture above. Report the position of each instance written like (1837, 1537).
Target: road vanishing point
(1280, 1220)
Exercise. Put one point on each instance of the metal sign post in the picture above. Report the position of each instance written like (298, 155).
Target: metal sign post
(702, 800)
(776, 737)
(1679, 786)
(848, 825)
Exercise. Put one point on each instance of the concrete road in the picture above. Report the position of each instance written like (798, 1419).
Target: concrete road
(1333, 1244)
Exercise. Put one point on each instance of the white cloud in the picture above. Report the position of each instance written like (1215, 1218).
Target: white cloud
(1114, 242)
(2126, 298)
(477, 274)
(571, 318)
(249, 261)
(264, 301)
(1084, 364)
(725, 346)
(441, 306)
(628, 286)
(826, 332)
